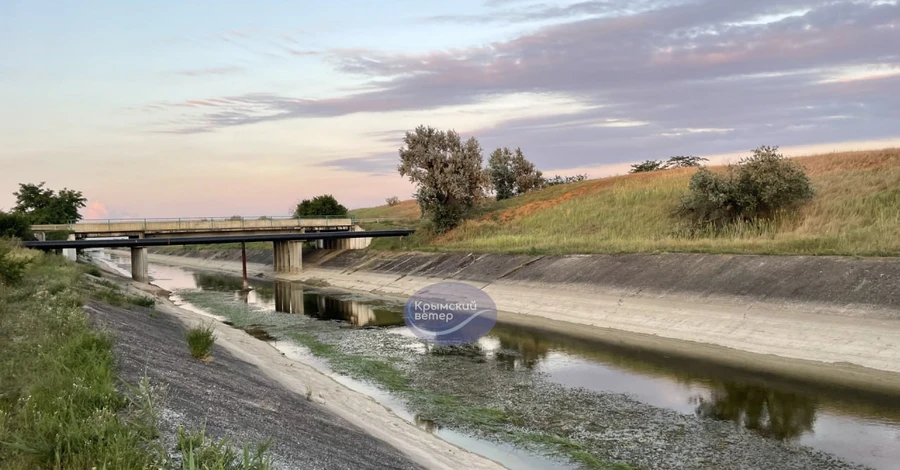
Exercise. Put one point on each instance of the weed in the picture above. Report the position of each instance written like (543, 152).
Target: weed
(200, 340)
(201, 453)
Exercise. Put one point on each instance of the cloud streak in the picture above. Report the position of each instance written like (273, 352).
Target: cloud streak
(762, 70)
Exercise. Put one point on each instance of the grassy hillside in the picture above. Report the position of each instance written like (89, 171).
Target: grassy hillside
(856, 211)
(404, 210)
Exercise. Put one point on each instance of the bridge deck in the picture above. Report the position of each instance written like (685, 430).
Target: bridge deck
(211, 224)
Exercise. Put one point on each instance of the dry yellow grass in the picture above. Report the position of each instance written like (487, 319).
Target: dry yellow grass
(856, 211)
(404, 210)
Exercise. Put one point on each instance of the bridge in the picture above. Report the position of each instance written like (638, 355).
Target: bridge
(286, 233)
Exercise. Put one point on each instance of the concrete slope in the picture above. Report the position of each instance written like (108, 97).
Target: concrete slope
(826, 318)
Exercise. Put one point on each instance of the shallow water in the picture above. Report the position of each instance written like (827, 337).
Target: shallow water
(856, 426)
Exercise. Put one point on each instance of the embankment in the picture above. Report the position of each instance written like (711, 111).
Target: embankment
(823, 318)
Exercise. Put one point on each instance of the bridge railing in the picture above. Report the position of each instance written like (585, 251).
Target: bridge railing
(195, 223)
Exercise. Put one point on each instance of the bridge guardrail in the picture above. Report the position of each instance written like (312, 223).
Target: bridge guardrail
(191, 222)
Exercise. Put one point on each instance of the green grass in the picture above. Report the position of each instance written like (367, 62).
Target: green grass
(199, 452)
(62, 405)
(853, 213)
(59, 407)
(110, 293)
(200, 340)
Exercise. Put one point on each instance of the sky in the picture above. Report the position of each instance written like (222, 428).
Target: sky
(199, 108)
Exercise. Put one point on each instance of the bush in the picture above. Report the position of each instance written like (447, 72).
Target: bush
(392, 201)
(14, 225)
(556, 180)
(12, 269)
(200, 341)
(648, 165)
(757, 187)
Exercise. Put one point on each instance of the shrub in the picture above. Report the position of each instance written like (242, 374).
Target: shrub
(12, 269)
(14, 225)
(200, 340)
(564, 179)
(647, 165)
(757, 187)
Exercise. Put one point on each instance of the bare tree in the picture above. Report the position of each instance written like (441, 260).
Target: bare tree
(447, 173)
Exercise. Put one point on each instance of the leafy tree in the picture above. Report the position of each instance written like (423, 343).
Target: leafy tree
(684, 161)
(511, 174)
(44, 206)
(503, 177)
(564, 179)
(325, 204)
(392, 201)
(447, 173)
(528, 178)
(758, 186)
(648, 165)
(14, 225)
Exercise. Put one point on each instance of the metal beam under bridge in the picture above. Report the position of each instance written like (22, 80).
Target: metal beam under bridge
(287, 256)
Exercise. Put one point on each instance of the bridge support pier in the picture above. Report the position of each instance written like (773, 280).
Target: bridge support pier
(70, 253)
(139, 264)
(288, 257)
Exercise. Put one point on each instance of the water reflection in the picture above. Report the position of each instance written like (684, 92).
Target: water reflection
(861, 426)
(771, 413)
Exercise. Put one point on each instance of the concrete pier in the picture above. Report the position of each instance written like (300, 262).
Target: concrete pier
(139, 264)
(70, 253)
(288, 257)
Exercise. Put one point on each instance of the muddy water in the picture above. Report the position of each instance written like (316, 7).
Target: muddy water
(856, 426)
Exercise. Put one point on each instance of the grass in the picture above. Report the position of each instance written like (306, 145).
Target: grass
(199, 452)
(62, 405)
(200, 340)
(110, 293)
(855, 212)
(59, 406)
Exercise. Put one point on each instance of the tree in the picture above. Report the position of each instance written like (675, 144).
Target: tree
(325, 204)
(14, 225)
(757, 187)
(647, 165)
(44, 206)
(392, 201)
(503, 177)
(511, 174)
(528, 178)
(684, 161)
(447, 173)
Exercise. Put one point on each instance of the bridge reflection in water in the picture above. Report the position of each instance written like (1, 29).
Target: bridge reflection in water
(293, 297)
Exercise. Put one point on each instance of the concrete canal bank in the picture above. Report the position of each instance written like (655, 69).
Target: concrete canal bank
(820, 318)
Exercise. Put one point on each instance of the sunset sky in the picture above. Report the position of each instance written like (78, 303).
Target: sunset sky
(200, 108)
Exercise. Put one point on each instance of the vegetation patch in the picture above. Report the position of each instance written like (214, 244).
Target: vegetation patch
(59, 407)
(853, 212)
(200, 340)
